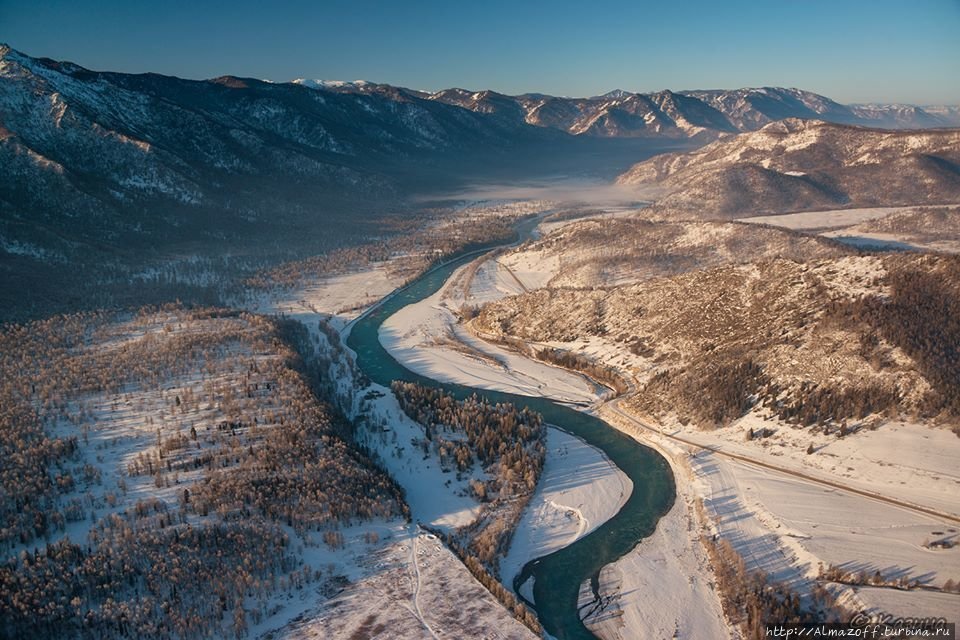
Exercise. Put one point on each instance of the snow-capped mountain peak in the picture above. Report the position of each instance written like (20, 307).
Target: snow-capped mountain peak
(616, 93)
(331, 84)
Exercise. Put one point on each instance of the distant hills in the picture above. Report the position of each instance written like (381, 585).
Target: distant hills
(107, 172)
(684, 114)
(101, 161)
(125, 160)
(796, 165)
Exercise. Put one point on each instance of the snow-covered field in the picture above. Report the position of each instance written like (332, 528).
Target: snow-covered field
(395, 576)
(901, 460)
(606, 212)
(663, 587)
(785, 525)
(409, 586)
(788, 526)
(339, 298)
(436, 498)
(864, 228)
(832, 218)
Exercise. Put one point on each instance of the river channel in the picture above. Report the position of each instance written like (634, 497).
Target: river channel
(557, 576)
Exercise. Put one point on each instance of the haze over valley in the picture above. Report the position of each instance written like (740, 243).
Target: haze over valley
(296, 358)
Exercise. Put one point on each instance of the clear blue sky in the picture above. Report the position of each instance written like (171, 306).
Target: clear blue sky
(850, 50)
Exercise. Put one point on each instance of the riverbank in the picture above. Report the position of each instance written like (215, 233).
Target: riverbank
(579, 490)
(428, 339)
(669, 567)
(878, 499)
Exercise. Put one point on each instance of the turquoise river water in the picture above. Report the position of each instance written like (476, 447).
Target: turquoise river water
(557, 576)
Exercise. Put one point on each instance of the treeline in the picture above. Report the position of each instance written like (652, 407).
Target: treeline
(603, 374)
(33, 474)
(303, 472)
(723, 392)
(414, 242)
(751, 601)
(233, 443)
(813, 404)
(503, 595)
(814, 344)
(922, 317)
(720, 394)
(833, 573)
(335, 261)
(606, 251)
(43, 368)
(507, 441)
(270, 423)
(132, 580)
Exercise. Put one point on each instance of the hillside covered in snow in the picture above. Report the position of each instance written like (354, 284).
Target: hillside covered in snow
(797, 165)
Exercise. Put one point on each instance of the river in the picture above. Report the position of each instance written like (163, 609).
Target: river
(557, 576)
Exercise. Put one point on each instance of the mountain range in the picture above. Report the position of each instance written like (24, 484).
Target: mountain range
(682, 114)
(106, 172)
(127, 162)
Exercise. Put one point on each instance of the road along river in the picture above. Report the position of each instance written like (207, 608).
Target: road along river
(557, 576)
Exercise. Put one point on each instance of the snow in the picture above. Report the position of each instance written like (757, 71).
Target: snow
(435, 497)
(606, 212)
(339, 298)
(149, 180)
(114, 428)
(783, 524)
(883, 536)
(531, 269)
(787, 525)
(427, 339)
(663, 586)
(804, 139)
(329, 84)
(579, 490)
(410, 585)
(414, 588)
(823, 219)
(492, 281)
(918, 462)
(904, 229)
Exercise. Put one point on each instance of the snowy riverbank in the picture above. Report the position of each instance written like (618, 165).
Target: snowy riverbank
(579, 490)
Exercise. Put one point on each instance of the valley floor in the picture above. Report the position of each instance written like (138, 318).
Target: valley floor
(782, 523)
(668, 572)
(409, 584)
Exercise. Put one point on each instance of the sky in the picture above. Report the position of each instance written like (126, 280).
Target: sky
(850, 50)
